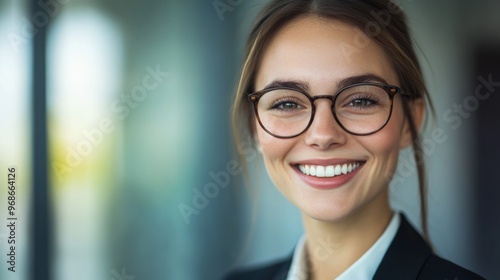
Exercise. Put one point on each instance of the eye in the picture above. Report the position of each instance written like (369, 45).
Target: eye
(362, 102)
(285, 105)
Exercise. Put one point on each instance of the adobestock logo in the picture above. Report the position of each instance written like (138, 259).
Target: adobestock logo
(223, 6)
(201, 199)
(372, 29)
(122, 106)
(121, 276)
(323, 248)
(453, 116)
(218, 180)
(30, 26)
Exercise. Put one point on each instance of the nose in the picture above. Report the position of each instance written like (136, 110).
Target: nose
(324, 132)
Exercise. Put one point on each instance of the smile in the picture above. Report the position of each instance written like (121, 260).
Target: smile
(328, 170)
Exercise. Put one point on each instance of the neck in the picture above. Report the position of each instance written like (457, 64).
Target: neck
(334, 246)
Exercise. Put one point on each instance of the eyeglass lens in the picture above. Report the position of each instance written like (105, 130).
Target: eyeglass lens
(359, 110)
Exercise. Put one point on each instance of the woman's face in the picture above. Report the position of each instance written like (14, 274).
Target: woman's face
(321, 54)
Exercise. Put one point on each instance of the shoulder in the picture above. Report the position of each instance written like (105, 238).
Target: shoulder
(439, 268)
(275, 271)
(410, 257)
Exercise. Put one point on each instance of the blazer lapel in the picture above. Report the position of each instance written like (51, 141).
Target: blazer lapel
(404, 259)
(282, 269)
(406, 255)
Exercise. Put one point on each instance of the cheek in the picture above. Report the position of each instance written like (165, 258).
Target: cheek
(274, 152)
(384, 147)
(272, 148)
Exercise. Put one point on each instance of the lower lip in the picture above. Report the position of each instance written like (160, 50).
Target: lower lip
(327, 183)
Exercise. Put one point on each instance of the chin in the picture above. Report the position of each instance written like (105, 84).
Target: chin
(324, 207)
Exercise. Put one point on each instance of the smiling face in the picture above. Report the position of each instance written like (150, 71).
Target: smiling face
(320, 56)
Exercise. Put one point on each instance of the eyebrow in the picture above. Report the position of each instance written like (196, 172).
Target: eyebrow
(304, 86)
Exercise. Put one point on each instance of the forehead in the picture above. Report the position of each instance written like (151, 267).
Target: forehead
(321, 52)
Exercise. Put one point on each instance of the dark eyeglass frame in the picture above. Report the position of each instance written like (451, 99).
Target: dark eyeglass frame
(391, 91)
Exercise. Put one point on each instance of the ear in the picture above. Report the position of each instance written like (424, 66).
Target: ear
(417, 111)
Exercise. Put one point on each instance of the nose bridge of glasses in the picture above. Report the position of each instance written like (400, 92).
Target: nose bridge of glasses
(331, 107)
(323, 119)
(329, 97)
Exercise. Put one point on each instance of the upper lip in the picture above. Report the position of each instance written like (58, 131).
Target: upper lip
(326, 162)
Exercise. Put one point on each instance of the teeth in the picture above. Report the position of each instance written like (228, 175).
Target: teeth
(338, 170)
(329, 170)
(320, 171)
(303, 169)
(312, 170)
(344, 169)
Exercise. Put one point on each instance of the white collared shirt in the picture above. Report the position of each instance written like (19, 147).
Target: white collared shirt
(364, 268)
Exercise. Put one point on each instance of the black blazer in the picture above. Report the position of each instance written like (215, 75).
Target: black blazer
(408, 257)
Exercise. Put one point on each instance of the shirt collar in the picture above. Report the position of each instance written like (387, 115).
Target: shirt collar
(364, 268)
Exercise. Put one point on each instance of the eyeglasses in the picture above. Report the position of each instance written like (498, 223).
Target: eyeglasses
(360, 109)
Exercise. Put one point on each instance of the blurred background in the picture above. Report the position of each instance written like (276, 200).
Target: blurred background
(115, 115)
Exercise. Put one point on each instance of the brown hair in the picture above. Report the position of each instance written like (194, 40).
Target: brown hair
(382, 20)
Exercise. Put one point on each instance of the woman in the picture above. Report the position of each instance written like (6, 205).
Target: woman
(331, 91)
